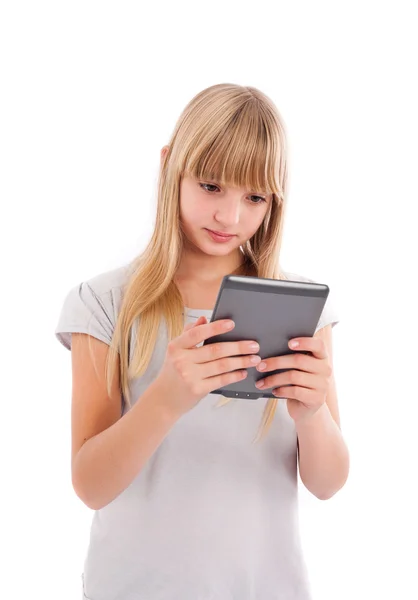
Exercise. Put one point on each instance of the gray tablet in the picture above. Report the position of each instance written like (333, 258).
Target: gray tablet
(271, 312)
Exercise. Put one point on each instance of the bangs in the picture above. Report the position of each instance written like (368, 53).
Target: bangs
(242, 152)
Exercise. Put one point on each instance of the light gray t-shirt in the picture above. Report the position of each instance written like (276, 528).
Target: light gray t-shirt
(210, 516)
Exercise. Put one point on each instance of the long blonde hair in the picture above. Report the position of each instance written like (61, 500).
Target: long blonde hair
(227, 133)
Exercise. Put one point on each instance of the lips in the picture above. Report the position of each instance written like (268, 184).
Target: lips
(225, 235)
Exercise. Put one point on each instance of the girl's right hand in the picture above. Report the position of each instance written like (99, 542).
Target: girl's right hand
(190, 373)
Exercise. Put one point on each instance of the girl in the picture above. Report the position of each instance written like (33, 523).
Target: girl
(186, 507)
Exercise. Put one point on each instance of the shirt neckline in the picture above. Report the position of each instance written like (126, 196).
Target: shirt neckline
(197, 312)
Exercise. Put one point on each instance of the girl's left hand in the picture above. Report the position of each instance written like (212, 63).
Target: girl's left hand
(309, 374)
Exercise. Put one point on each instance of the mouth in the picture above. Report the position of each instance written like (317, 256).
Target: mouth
(220, 234)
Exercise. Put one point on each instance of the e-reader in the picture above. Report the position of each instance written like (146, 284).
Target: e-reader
(271, 312)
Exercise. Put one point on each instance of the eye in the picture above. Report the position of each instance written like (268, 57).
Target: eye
(204, 186)
(260, 198)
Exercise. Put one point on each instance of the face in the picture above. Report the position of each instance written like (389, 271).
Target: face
(205, 206)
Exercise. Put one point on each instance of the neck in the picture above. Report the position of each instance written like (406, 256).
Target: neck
(208, 269)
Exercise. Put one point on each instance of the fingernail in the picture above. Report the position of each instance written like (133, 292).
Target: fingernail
(262, 366)
(229, 325)
(259, 384)
(293, 344)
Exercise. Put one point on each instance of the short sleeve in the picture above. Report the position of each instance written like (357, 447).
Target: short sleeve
(84, 311)
(330, 314)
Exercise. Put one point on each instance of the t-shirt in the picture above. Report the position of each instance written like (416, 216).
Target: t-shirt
(210, 516)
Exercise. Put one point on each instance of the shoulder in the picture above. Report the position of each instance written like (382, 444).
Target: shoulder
(92, 306)
(104, 289)
(109, 281)
(297, 277)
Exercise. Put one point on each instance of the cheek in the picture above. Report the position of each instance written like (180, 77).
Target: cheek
(252, 222)
(193, 212)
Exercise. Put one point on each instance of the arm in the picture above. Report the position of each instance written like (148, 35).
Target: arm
(323, 453)
(107, 463)
(108, 451)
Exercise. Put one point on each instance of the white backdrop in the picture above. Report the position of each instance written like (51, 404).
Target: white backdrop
(90, 93)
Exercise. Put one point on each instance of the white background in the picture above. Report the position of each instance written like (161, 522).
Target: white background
(90, 92)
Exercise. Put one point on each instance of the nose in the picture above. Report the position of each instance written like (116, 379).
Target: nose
(228, 211)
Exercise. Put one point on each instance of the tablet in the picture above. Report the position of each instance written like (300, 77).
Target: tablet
(271, 312)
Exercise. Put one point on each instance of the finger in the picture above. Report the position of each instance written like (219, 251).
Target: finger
(199, 321)
(225, 365)
(297, 360)
(291, 378)
(198, 334)
(224, 379)
(315, 345)
(301, 394)
(217, 350)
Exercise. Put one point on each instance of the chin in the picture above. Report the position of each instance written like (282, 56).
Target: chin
(214, 249)
(222, 251)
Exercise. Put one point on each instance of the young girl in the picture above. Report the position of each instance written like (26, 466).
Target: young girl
(186, 506)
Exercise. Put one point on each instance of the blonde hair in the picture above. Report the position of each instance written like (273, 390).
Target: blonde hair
(227, 133)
